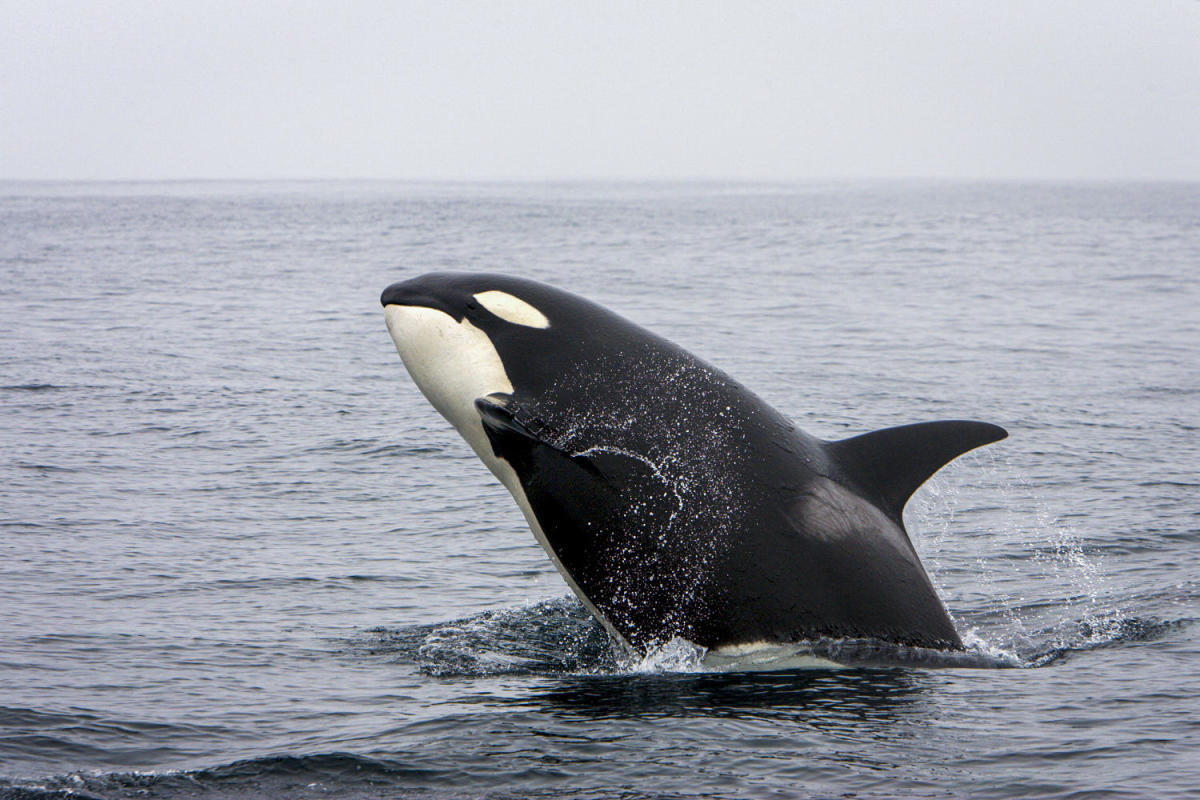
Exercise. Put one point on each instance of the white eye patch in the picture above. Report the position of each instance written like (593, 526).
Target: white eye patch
(512, 309)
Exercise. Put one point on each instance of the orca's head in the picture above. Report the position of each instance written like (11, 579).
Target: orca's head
(463, 336)
(443, 325)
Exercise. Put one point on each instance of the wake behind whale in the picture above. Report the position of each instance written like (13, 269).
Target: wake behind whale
(676, 504)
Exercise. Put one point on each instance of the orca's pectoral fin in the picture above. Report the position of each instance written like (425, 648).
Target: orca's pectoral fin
(607, 483)
(509, 435)
(513, 439)
(889, 465)
(496, 413)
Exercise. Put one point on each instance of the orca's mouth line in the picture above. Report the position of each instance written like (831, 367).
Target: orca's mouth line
(400, 295)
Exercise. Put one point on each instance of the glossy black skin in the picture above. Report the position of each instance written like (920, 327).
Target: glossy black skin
(683, 505)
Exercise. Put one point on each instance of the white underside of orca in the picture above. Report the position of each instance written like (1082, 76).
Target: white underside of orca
(453, 364)
(764, 657)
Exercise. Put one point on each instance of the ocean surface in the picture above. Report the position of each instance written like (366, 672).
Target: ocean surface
(241, 556)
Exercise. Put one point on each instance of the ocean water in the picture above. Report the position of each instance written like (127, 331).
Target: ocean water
(242, 557)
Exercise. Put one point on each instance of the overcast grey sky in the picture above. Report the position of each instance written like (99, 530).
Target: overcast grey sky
(776, 90)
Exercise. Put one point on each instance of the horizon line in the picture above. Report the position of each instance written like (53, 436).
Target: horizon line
(585, 179)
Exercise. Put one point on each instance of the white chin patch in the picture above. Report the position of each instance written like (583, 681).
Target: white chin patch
(512, 309)
(453, 363)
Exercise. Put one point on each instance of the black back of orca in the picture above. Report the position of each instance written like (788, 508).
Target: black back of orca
(680, 503)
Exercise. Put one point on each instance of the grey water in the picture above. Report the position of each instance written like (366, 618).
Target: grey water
(242, 557)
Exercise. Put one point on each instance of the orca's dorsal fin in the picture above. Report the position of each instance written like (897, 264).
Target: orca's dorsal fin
(889, 465)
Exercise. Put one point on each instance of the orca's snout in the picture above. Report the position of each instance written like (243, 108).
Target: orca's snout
(398, 294)
(417, 292)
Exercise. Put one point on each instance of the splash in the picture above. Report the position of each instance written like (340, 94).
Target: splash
(560, 637)
(677, 655)
(547, 636)
(1014, 543)
(656, 469)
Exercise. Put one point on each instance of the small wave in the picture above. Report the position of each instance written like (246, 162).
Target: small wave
(44, 468)
(170, 585)
(321, 775)
(1094, 634)
(33, 387)
(403, 450)
(374, 447)
(550, 636)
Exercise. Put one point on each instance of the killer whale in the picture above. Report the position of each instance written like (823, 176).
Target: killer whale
(673, 500)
